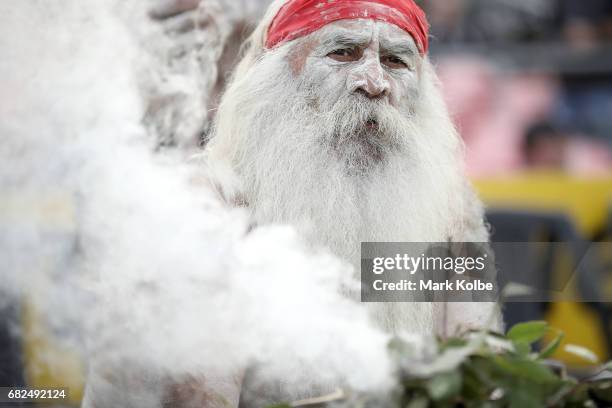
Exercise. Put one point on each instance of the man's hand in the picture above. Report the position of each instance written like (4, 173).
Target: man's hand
(232, 12)
(198, 43)
(183, 16)
(186, 49)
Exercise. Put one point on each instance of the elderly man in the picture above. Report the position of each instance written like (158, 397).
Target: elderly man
(334, 123)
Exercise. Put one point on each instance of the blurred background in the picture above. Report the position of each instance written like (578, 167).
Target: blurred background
(529, 83)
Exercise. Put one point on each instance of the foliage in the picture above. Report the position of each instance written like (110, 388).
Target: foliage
(486, 370)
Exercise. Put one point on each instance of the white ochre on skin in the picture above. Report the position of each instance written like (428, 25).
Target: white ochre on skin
(399, 85)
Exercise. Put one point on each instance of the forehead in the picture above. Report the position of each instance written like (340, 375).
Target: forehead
(366, 30)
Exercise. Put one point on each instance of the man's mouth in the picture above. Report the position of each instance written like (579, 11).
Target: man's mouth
(371, 124)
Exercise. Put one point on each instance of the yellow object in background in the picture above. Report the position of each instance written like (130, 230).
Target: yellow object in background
(48, 362)
(586, 202)
(581, 327)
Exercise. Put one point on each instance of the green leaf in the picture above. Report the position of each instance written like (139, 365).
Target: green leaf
(447, 361)
(418, 402)
(444, 386)
(562, 394)
(400, 349)
(484, 404)
(527, 332)
(454, 342)
(603, 390)
(475, 382)
(521, 398)
(522, 348)
(579, 395)
(522, 368)
(551, 347)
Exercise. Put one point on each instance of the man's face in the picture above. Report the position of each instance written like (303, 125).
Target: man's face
(360, 78)
(342, 132)
(373, 59)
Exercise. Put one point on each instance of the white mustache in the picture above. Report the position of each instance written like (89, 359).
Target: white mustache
(356, 115)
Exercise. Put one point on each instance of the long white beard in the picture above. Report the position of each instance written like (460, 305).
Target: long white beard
(301, 159)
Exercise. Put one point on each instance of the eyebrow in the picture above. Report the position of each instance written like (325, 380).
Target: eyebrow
(348, 38)
(398, 48)
(345, 38)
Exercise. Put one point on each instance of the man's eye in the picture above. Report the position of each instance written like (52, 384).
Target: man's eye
(393, 62)
(345, 54)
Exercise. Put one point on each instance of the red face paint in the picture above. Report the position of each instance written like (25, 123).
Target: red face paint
(298, 18)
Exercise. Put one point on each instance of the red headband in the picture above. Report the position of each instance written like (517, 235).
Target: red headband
(298, 18)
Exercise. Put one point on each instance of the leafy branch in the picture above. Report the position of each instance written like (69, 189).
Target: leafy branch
(484, 370)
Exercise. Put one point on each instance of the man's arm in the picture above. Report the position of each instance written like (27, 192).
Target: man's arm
(459, 317)
(193, 50)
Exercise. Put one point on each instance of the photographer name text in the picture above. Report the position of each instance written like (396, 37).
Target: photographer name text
(455, 285)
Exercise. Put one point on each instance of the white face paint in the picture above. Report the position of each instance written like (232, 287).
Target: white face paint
(361, 81)
(373, 58)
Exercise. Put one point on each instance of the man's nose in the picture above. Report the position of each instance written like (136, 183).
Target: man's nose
(370, 81)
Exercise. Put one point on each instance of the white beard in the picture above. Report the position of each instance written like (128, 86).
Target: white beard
(300, 160)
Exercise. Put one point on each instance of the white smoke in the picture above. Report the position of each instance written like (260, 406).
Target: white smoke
(148, 267)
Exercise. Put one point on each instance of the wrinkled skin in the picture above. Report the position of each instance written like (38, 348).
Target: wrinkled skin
(365, 63)
(376, 59)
